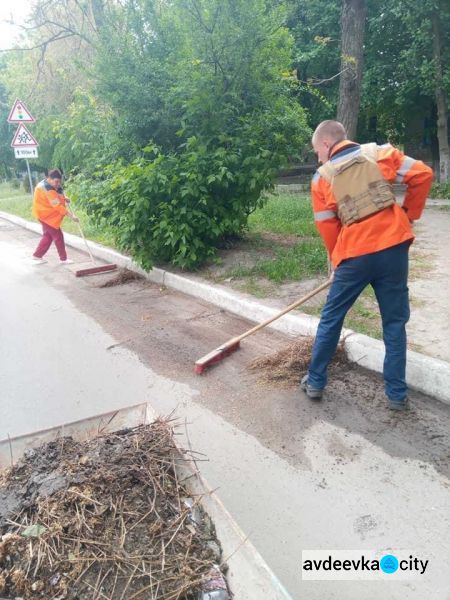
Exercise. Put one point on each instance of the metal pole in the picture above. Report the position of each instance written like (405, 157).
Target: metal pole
(29, 176)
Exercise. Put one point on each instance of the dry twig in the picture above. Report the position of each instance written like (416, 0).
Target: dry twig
(288, 365)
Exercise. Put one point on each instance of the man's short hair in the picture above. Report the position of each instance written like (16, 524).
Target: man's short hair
(333, 130)
(54, 174)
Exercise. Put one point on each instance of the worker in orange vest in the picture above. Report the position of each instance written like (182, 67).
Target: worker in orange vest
(367, 235)
(50, 208)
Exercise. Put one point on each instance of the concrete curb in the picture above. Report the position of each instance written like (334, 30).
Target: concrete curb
(428, 375)
(249, 575)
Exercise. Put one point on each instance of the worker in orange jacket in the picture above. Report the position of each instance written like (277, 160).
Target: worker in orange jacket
(367, 235)
(50, 208)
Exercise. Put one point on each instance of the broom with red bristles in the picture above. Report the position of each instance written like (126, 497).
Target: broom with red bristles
(233, 344)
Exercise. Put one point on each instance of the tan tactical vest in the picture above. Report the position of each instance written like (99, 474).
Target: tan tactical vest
(358, 185)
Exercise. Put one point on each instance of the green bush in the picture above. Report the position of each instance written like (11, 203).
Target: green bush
(224, 118)
(85, 135)
(440, 190)
(178, 207)
(15, 184)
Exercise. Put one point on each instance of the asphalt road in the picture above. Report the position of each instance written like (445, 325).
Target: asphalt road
(344, 474)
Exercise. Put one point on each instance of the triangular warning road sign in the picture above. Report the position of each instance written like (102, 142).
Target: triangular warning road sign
(23, 138)
(20, 114)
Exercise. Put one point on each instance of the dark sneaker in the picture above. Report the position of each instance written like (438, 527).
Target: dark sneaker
(398, 404)
(311, 392)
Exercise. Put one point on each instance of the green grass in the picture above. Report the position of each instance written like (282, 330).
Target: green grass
(291, 216)
(284, 214)
(16, 202)
(363, 317)
(255, 287)
(6, 189)
(364, 320)
(282, 245)
(290, 263)
(440, 190)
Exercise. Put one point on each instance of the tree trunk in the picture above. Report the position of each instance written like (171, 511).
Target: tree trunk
(353, 24)
(98, 13)
(441, 103)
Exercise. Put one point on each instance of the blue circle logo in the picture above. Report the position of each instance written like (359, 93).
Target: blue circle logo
(389, 563)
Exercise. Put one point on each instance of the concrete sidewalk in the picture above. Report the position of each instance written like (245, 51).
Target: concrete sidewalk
(428, 375)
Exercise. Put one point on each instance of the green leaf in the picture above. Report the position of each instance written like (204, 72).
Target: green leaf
(34, 531)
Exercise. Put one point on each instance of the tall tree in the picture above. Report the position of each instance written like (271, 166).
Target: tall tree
(7, 159)
(441, 98)
(316, 30)
(407, 74)
(353, 24)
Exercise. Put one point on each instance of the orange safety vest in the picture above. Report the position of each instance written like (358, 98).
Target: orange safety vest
(379, 231)
(49, 205)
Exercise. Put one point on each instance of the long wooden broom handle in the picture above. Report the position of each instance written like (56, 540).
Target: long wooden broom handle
(321, 287)
(85, 242)
(82, 235)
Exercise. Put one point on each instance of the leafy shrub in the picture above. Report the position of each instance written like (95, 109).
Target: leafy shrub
(223, 119)
(178, 207)
(85, 135)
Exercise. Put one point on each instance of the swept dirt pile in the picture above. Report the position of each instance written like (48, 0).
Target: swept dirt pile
(290, 363)
(106, 518)
(123, 276)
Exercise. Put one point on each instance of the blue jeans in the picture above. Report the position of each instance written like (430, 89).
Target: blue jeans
(387, 272)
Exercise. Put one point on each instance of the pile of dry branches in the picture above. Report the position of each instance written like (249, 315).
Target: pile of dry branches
(289, 364)
(107, 518)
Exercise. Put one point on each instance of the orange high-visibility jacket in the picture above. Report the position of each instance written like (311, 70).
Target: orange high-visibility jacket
(49, 205)
(384, 229)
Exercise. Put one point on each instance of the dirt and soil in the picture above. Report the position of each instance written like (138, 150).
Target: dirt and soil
(105, 518)
(122, 277)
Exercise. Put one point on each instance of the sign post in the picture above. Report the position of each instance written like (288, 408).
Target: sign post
(24, 144)
(29, 177)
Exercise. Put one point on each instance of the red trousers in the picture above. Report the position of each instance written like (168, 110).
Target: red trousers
(49, 235)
